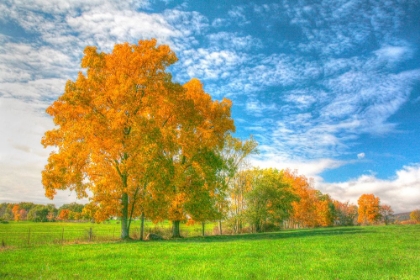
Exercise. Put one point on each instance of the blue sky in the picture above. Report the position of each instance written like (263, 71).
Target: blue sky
(331, 88)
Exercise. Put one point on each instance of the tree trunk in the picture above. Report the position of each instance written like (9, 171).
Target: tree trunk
(220, 227)
(124, 217)
(142, 226)
(175, 230)
(203, 224)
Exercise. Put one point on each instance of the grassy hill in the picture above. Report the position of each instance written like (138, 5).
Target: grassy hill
(377, 252)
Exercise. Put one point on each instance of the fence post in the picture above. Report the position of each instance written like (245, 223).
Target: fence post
(29, 237)
(62, 237)
(90, 234)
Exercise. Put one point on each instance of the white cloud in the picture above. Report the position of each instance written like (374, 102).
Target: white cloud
(309, 168)
(361, 156)
(401, 192)
(394, 53)
(257, 108)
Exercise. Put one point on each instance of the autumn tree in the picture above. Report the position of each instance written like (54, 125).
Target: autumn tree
(415, 216)
(369, 209)
(132, 138)
(15, 211)
(194, 186)
(63, 215)
(304, 209)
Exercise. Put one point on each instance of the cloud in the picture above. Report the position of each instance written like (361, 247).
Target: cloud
(257, 108)
(394, 53)
(401, 192)
(309, 168)
(21, 155)
(361, 156)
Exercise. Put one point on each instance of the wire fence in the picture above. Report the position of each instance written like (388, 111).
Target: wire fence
(36, 236)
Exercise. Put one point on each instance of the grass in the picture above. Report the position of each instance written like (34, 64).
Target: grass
(24, 234)
(381, 252)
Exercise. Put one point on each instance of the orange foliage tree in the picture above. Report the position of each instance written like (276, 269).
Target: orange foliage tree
(131, 138)
(64, 215)
(312, 208)
(196, 164)
(15, 211)
(369, 209)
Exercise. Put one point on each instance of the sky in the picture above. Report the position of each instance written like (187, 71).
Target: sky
(330, 88)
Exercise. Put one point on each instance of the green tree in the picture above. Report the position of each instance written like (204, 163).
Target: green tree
(270, 200)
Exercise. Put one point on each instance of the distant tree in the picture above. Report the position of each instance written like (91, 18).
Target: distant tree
(415, 216)
(15, 211)
(369, 209)
(22, 214)
(312, 208)
(75, 207)
(346, 213)
(270, 200)
(26, 205)
(63, 215)
(386, 213)
(325, 210)
(89, 210)
(39, 213)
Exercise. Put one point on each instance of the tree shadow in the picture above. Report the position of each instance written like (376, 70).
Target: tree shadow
(302, 233)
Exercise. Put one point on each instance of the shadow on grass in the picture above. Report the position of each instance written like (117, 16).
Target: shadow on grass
(274, 235)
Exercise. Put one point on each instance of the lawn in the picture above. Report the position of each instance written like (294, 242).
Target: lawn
(377, 252)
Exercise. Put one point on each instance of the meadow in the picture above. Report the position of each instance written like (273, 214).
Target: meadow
(375, 252)
(24, 234)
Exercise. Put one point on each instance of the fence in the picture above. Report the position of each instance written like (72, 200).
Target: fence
(38, 235)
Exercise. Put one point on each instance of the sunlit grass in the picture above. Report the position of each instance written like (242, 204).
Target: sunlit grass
(391, 252)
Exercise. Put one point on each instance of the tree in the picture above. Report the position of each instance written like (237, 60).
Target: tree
(305, 208)
(386, 213)
(234, 155)
(415, 216)
(346, 213)
(369, 209)
(15, 211)
(63, 215)
(22, 214)
(75, 207)
(39, 213)
(124, 130)
(270, 200)
(196, 164)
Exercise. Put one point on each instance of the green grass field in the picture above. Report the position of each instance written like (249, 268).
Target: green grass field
(377, 252)
(24, 234)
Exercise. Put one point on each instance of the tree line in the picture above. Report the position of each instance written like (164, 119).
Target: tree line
(140, 145)
(29, 211)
